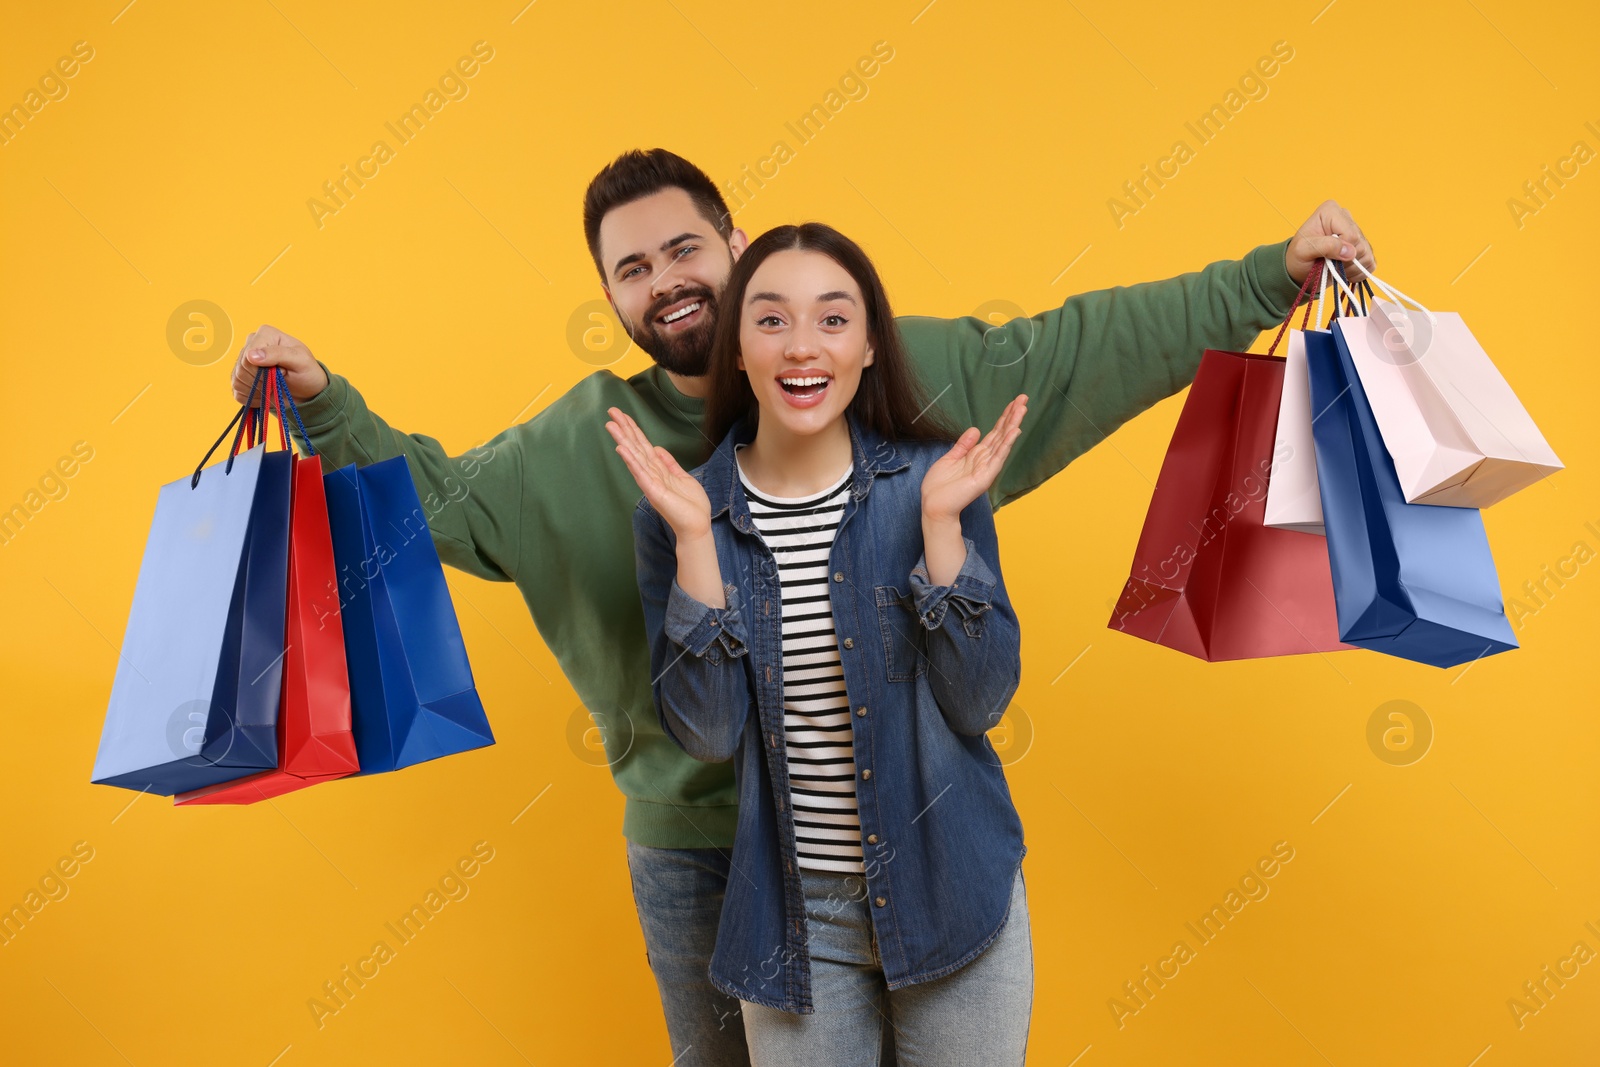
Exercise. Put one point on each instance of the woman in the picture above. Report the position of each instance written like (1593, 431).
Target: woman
(824, 604)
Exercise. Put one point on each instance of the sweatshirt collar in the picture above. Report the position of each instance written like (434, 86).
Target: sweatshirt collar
(692, 406)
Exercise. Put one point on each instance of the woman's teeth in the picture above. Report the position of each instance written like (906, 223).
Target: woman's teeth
(804, 386)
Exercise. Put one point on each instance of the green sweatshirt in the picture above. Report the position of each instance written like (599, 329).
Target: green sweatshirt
(548, 503)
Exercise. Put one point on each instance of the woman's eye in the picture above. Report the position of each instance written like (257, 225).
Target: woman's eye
(769, 320)
(835, 320)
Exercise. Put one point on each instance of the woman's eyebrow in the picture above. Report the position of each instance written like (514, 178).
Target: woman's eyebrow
(778, 298)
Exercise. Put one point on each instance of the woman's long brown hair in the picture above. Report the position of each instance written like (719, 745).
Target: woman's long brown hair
(890, 399)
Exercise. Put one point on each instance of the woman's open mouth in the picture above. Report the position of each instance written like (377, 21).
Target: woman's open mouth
(805, 390)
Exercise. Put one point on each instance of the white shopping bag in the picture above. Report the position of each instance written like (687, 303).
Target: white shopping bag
(1457, 433)
(1293, 499)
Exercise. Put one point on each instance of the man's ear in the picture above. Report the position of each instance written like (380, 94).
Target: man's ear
(738, 241)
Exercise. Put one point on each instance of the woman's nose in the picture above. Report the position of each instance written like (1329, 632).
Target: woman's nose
(801, 343)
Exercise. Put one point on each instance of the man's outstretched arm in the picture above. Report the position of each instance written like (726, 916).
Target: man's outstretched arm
(473, 501)
(1103, 357)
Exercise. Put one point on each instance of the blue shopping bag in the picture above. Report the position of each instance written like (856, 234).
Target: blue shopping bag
(412, 694)
(1412, 580)
(195, 697)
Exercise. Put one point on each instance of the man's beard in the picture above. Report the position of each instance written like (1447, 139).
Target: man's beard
(688, 352)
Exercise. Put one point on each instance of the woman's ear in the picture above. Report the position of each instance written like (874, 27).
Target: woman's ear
(868, 361)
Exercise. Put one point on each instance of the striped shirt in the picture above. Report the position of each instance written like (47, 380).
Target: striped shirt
(816, 709)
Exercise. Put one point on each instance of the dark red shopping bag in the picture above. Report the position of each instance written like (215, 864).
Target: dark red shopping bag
(314, 739)
(1208, 578)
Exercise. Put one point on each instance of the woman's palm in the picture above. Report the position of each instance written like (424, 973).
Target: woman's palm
(967, 471)
(671, 490)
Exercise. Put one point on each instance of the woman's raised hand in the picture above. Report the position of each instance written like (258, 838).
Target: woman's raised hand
(671, 490)
(967, 471)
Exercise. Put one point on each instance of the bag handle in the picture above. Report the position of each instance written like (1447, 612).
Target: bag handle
(194, 482)
(258, 415)
(254, 415)
(1352, 300)
(1392, 293)
(1312, 278)
(259, 382)
(1322, 290)
(285, 395)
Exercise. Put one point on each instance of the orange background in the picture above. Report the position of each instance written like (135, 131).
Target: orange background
(977, 168)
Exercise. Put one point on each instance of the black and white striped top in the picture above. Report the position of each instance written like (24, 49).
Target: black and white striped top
(816, 709)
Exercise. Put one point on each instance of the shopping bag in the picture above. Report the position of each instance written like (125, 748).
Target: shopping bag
(1293, 502)
(1457, 433)
(411, 689)
(195, 697)
(315, 743)
(1208, 578)
(1409, 580)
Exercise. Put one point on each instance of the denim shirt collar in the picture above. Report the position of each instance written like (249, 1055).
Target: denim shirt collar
(873, 455)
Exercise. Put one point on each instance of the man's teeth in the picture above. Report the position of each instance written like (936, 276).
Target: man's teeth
(681, 312)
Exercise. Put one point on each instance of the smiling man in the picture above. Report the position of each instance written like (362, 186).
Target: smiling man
(547, 504)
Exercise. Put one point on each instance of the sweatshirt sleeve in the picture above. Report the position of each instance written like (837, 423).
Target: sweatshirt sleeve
(1096, 361)
(473, 500)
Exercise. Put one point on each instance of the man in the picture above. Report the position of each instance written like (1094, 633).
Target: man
(547, 504)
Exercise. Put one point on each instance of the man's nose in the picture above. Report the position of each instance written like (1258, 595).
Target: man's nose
(667, 280)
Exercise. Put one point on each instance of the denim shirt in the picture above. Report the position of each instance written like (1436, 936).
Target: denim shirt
(928, 670)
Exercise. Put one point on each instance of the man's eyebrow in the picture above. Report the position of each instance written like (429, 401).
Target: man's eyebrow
(678, 240)
(665, 247)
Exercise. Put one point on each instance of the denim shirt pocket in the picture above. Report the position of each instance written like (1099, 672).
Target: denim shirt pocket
(905, 646)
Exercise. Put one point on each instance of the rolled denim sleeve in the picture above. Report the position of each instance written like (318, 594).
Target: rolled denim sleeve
(698, 674)
(703, 630)
(971, 592)
(975, 651)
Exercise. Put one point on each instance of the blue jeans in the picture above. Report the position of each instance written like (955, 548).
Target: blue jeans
(978, 1014)
(678, 893)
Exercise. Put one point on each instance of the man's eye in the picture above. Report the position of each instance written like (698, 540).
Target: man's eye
(631, 273)
(685, 250)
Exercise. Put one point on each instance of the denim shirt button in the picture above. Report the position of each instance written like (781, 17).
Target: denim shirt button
(872, 839)
(879, 901)
(849, 642)
(862, 710)
(866, 773)
(838, 576)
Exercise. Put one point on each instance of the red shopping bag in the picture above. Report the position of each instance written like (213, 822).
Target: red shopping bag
(1208, 578)
(314, 738)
